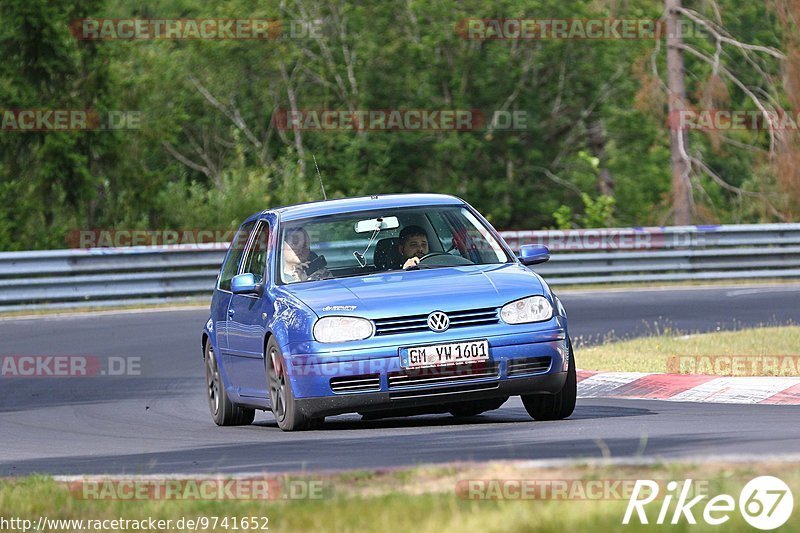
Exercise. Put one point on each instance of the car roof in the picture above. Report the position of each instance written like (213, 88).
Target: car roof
(363, 203)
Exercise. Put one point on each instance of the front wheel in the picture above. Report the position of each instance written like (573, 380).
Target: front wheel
(559, 405)
(223, 410)
(281, 397)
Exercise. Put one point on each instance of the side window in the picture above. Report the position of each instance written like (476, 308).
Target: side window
(256, 261)
(234, 257)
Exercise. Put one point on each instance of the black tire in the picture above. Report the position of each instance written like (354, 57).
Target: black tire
(475, 408)
(223, 410)
(555, 406)
(281, 396)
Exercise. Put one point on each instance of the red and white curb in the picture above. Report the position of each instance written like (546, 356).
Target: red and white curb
(689, 388)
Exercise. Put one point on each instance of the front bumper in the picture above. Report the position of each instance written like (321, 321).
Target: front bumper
(372, 378)
(432, 396)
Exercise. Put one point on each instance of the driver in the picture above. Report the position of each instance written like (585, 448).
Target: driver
(413, 245)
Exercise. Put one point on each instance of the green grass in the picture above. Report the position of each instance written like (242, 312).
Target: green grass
(420, 499)
(650, 354)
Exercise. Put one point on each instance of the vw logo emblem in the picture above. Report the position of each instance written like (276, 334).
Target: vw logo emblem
(438, 321)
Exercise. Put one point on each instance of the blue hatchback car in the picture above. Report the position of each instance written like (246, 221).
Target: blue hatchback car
(385, 306)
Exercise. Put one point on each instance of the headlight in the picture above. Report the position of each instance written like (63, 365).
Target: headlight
(531, 309)
(342, 329)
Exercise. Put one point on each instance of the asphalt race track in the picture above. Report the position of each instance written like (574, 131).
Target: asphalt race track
(158, 422)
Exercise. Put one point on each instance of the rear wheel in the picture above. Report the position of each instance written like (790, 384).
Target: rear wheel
(559, 405)
(223, 410)
(281, 397)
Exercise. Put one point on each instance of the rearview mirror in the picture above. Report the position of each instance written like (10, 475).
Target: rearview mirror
(246, 284)
(533, 254)
(376, 224)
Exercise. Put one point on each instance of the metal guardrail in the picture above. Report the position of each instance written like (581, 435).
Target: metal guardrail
(613, 255)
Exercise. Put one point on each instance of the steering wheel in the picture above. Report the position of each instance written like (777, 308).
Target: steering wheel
(452, 260)
(432, 254)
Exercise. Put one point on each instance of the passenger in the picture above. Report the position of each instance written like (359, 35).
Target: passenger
(298, 258)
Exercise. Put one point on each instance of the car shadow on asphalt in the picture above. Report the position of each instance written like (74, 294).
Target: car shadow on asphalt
(504, 415)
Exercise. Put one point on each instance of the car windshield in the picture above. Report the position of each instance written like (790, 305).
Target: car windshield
(356, 244)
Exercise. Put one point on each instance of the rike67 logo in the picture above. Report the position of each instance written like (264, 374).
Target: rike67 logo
(765, 503)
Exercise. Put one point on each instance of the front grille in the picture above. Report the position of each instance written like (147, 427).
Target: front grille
(363, 383)
(442, 374)
(530, 365)
(407, 394)
(417, 323)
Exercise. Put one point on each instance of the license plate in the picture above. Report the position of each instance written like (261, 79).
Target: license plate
(446, 354)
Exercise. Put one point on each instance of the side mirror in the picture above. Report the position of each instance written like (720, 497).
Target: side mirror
(246, 284)
(532, 254)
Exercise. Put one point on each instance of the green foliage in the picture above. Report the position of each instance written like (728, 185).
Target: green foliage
(563, 217)
(208, 152)
(597, 213)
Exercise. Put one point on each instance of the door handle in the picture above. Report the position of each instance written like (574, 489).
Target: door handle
(231, 312)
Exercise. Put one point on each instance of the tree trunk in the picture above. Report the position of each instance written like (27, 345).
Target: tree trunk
(682, 202)
(597, 142)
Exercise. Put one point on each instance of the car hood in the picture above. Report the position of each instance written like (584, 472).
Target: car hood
(399, 293)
